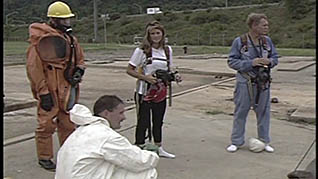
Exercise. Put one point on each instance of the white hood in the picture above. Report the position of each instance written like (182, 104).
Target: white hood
(81, 115)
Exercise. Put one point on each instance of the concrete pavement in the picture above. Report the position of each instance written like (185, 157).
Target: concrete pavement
(197, 128)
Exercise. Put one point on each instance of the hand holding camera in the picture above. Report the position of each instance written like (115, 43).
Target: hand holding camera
(178, 77)
(150, 79)
(261, 62)
(168, 76)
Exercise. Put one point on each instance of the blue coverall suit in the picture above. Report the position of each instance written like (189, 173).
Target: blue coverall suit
(241, 61)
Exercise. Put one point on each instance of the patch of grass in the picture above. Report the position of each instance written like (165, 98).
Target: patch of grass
(208, 49)
(101, 46)
(296, 52)
(20, 47)
(15, 48)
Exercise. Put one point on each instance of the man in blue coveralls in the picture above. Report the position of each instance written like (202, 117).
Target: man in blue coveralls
(252, 55)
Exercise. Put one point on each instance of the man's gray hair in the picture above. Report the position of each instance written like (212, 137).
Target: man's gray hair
(255, 18)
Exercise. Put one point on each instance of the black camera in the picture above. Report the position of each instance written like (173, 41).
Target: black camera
(263, 75)
(166, 76)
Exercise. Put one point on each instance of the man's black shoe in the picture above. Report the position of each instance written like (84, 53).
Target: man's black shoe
(47, 164)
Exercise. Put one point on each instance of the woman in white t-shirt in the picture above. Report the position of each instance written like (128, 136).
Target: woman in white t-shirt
(150, 94)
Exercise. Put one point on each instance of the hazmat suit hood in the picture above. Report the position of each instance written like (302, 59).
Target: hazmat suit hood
(81, 115)
(256, 145)
(39, 30)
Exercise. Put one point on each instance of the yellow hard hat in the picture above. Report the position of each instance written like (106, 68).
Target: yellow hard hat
(59, 10)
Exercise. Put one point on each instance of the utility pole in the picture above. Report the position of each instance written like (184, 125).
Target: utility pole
(223, 36)
(226, 3)
(303, 40)
(95, 21)
(105, 17)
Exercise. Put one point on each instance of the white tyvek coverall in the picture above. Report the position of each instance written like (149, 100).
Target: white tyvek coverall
(96, 151)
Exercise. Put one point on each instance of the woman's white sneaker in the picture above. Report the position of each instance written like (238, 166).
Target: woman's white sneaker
(163, 153)
(232, 148)
(269, 149)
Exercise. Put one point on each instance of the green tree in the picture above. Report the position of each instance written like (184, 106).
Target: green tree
(298, 8)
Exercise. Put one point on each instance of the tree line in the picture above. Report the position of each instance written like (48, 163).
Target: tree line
(292, 23)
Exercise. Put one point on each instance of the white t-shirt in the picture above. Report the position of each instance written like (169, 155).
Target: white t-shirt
(138, 59)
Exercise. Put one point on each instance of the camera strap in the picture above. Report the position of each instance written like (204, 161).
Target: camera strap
(259, 55)
(260, 52)
(258, 83)
(250, 87)
(167, 52)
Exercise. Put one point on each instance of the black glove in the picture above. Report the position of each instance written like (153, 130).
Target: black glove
(77, 76)
(46, 102)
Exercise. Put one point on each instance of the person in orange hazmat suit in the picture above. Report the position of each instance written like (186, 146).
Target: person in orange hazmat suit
(55, 66)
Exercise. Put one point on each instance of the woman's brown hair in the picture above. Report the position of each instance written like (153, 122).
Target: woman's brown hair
(147, 43)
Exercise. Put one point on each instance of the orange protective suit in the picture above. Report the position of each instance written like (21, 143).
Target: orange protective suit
(47, 59)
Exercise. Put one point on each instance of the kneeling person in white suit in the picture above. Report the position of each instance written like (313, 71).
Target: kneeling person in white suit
(95, 150)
